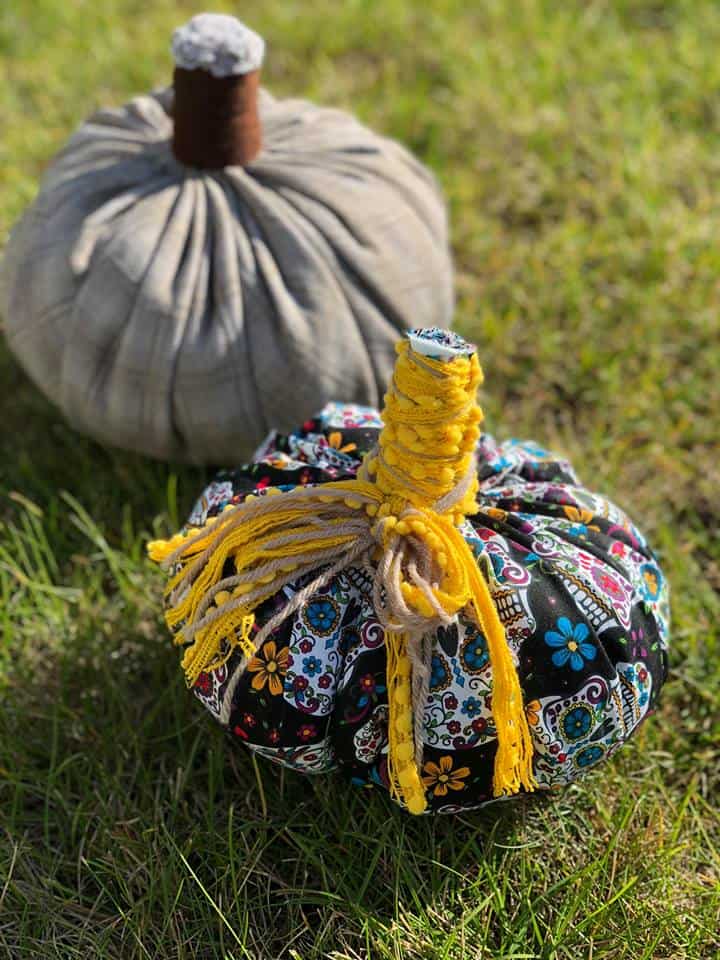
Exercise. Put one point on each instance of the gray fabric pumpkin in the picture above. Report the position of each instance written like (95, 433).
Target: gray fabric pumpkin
(177, 288)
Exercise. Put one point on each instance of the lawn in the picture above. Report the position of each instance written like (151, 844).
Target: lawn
(579, 147)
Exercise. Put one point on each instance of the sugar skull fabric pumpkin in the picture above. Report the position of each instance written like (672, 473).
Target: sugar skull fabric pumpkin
(187, 253)
(444, 695)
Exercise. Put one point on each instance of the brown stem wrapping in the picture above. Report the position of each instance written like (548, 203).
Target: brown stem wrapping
(216, 121)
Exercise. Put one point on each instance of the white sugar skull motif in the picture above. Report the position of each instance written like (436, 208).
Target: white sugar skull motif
(310, 758)
(218, 493)
(573, 733)
(372, 736)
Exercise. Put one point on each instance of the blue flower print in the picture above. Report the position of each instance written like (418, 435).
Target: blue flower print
(652, 581)
(471, 707)
(578, 530)
(589, 756)
(474, 653)
(439, 673)
(370, 689)
(577, 722)
(571, 644)
(500, 464)
(321, 615)
(312, 665)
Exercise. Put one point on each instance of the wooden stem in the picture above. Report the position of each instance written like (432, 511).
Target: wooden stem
(216, 120)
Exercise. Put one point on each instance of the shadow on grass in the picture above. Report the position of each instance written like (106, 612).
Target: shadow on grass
(41, 455)
(124, 800)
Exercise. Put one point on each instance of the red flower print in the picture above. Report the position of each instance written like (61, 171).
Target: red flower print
(262, 483)
(451, 702)
(454, 726)
(307, 731)
(249, 720)
(638, 642)
(239, 732)
(300, 683)
(305, 646)
(479, 724)
(325, 681)
(609, 585)
(204, 684)
(274, 735)
(367, 683)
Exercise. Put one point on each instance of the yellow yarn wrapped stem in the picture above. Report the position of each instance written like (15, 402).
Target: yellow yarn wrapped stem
(430, 422)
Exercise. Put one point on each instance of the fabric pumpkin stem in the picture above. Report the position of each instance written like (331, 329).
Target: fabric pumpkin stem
(215, 110)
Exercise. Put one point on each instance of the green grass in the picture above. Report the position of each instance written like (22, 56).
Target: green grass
(578, 146)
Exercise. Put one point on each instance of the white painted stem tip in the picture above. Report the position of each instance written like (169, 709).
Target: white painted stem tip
(438, 344)
(219, 44)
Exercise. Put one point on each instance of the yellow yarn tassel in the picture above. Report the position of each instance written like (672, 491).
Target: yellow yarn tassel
(403, 510)
(250, 546)
(513, 760)
(160, 550)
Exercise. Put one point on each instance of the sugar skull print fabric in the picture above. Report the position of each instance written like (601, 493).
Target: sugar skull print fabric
(582, 598)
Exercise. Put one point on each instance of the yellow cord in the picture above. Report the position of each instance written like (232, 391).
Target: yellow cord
(431, 427)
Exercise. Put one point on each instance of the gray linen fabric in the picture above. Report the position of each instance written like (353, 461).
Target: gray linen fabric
(181, 312)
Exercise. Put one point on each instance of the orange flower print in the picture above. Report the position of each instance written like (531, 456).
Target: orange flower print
(269, 667)
(335, 441)
(443, 777)
(532, 710)
(581, 517)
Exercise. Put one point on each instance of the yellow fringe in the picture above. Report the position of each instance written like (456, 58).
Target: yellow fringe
(513, 760)
(248, 546)
(213, 646)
